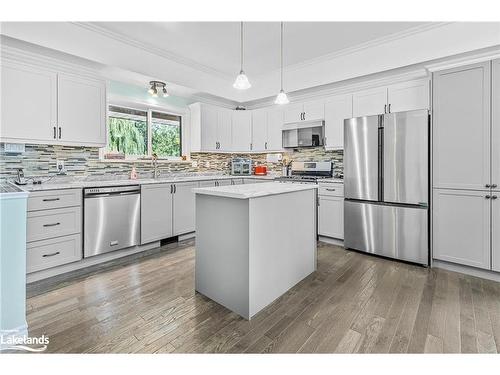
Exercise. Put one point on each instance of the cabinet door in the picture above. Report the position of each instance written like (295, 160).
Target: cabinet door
(208, 121)
(331, 217)
(337, 109)
(224, 129)
(259, 130)
(242, 131)
(81, 110)
(495, 123)
(314, 110)
(369, 102)
(28, 115)
(495, 233)
(156, 212)
(461, 227)
(408, 96)
(293, 113)
(461, 127)
(184, 208)
(274, 130)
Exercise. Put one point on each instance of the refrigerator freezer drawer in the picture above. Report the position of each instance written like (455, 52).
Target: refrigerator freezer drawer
(392, 231)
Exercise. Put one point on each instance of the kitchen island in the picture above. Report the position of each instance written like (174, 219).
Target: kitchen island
(254, 242)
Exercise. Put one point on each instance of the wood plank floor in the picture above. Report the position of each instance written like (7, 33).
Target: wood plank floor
(354, 303)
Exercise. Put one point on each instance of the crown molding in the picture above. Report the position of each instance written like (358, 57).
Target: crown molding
(151, 49)
(471, 58)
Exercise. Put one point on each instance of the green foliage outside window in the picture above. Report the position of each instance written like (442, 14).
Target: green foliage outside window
(127, 136)
(166, 140)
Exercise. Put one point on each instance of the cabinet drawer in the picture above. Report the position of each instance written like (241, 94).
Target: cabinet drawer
(334, 190)
(54, 252)
(53, 223)
(43, 200)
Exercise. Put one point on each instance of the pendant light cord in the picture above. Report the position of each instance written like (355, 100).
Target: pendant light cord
(282, 56)
(241, 44)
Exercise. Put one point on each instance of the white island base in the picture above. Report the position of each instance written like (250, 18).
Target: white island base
(254, 242)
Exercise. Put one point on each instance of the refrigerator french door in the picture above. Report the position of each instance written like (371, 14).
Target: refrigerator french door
(386, 185)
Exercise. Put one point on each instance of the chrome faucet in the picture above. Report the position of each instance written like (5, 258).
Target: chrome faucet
(154, 160)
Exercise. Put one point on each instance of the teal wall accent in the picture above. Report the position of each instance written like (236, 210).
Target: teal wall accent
(141, 93)
(12, 262)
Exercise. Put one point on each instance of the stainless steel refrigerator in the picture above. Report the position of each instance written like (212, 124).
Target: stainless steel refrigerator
(386, 185)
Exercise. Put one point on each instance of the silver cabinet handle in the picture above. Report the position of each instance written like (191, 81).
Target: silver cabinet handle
(385, 108)
(494, 186)
(50, 199)
(51, 225)
(59, 132)
(55, 133)
(487, 185)
(494, 197)
(330, 189)
(487, 196)
(265, 145)
(51, 254)
(389, 108)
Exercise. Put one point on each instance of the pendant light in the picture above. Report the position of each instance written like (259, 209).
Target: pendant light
(241, 82)
(282, 98)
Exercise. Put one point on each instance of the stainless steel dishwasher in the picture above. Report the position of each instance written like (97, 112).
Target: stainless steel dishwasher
(112, 218)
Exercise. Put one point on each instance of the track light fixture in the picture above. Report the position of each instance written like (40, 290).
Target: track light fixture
(155, 85)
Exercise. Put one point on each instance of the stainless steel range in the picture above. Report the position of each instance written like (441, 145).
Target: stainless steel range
(308, 172)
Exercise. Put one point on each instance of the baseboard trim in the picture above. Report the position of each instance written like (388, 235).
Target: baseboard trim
(187, 236)
(467, 270)
(331, 241)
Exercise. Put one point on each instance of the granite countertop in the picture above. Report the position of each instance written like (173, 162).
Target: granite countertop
(79, 183)
(9, 190)
(254, 190)
(332, 180)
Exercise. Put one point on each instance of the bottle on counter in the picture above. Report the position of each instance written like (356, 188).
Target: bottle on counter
(133, 173)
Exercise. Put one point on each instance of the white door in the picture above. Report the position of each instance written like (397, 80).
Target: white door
(28, 104)
(156, 212)
(184, 208)
(495, 232)
(274, 130)
(81, 110)
(224, 130)
(293, 113)
(242, 131)
(408, 96)
(337, 109)
(461, 127)
(208, 128)
(495, 124)
(461, 227)
(331, 217)
(369, 102)
(314, 111)
(259, 130)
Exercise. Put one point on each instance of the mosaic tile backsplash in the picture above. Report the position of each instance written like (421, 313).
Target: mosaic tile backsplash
(40, 161)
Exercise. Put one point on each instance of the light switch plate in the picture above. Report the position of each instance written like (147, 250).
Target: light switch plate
(60, 166)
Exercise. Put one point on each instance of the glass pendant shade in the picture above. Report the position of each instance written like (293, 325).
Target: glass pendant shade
(282, 98)
(242, 82)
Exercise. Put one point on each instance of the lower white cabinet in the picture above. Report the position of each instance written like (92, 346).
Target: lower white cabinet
(461, 227)
(331, 210)
(156, 212)
(184, 207)
(53, 252)
(495, 232)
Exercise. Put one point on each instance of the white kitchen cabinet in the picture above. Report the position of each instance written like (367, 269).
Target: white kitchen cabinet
(81, 110)
(369, 102)
(208, 123)
(274, 130)
(224, 129)
(331, 217)
(184, 208)
(242, 131)
(495, 123)
(293, 112)
(337, 109)
(308, 111)
(259, 129)
(461, 127)
(29, 104)
(461, 227)
(156, 212)
(495, 232)
(408, 96)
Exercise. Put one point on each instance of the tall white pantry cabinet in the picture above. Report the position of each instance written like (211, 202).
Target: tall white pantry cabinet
(466, 163)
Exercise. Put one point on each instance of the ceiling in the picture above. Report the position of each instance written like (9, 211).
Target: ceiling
(215, 46)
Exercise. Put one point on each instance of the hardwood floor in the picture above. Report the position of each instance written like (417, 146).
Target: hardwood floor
(354, 303)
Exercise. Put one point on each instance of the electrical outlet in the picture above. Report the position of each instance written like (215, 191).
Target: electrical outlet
(207, 164)
(194, 164)
(60, 166)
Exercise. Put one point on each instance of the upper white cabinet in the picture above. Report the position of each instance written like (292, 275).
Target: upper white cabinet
(242, 131)
(369, 102)
(81, 110)
(461, 227)
(63, 109)
(28, 115)
(224, 129)
(337, 109)
(461, 127)
(309, 111)
(495, 124)
(215, 126)
(266, 129)
(399, 97)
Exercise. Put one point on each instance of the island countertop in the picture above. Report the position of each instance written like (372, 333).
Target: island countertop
(254, 190)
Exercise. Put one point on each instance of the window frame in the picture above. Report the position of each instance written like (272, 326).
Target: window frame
(149, 109)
